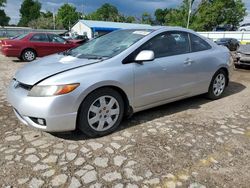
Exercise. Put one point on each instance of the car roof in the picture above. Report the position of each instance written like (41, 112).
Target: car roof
(155, 28)
(41, 33)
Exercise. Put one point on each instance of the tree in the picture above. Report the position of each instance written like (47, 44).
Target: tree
(146, 18)
(46, 14)
(4, 19)
(30, 10)
(67, 15)
(106, 12)
(217, 12)
(2, 3)
(205, 15)
(44, 23)
(160, 16)
(130, 19)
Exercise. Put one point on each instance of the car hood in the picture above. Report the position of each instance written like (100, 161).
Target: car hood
(244, 49)
(48, 66)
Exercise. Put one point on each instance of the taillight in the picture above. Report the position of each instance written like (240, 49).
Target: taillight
(7, 45)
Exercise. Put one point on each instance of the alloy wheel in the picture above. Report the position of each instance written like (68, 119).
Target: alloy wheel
(103, 113)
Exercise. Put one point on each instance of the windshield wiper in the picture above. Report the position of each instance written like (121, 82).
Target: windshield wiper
(89, 56)
(66, 53)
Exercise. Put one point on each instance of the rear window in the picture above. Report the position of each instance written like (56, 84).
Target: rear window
(20, 36)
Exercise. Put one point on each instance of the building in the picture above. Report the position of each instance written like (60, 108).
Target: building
(97, 28)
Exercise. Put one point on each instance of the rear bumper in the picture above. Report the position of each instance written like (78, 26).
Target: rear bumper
(9, 52)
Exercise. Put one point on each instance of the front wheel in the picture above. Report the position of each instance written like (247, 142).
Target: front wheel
(101, 112)
(217, 85)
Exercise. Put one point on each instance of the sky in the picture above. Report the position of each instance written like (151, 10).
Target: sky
(126, 7)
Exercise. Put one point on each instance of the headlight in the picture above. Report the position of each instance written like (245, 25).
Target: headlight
(47, 91)
(239, 55)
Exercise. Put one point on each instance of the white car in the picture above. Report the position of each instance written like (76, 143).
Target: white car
(244, 27)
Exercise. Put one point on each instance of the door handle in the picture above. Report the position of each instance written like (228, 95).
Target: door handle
(188, 62)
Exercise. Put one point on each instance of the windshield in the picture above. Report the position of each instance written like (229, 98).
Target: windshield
(109, 45)
(223, 39)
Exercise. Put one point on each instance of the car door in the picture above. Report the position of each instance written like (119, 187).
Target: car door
(59, 44)
(203, 63)
(168, 76)
(40, 43)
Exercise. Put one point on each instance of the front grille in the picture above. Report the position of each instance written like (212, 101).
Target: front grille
(18, 84)
(245, 62)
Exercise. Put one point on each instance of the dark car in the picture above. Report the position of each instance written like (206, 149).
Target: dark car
(243, 56)
(226, 27)
(231, 43)
(29, 46)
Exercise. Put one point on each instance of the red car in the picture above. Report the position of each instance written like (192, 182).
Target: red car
(29, 46)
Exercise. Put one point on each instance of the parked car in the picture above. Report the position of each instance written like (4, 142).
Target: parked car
(244, 27)
(231, 43)
(93, 86)
(27, 47)
(243, 57)
(226, 27)
(80, 39)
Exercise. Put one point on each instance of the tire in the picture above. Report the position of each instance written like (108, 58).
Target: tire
(217, 85)
(95, 116)
(29, 55)
(237, 66)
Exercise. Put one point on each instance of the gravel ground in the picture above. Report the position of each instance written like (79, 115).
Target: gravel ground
(193, 143)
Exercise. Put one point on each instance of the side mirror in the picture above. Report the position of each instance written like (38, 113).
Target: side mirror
(145, 55)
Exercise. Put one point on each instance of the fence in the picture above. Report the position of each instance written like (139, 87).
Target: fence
(10, 32)
(243, 37)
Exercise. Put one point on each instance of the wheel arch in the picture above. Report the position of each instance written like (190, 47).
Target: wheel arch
(29, 48)
(227, 74)
(128, 110)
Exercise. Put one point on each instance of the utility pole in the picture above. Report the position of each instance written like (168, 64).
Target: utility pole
(54, 19)
(82, 9)
(189, 11)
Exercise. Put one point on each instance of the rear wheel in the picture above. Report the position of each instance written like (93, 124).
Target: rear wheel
(217, 85)
(29, 55)
(101, 112)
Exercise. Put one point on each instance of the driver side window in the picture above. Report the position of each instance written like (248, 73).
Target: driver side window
(168, 44)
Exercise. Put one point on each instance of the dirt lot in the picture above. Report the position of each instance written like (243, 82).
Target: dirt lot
(193, 143)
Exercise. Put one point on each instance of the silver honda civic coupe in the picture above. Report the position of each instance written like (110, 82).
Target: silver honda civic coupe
(92, 87)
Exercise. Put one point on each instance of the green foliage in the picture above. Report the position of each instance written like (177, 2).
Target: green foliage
(216, 12)
(2, 3)
(45, 22)
(108, 12)
(47, 14)
(4, 19)
(146, 18)
(30, 10)
(67, 15)
(160, 16)
(130, 19)
(207, 15)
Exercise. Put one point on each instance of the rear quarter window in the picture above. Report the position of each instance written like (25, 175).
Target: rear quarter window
(198, 44)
